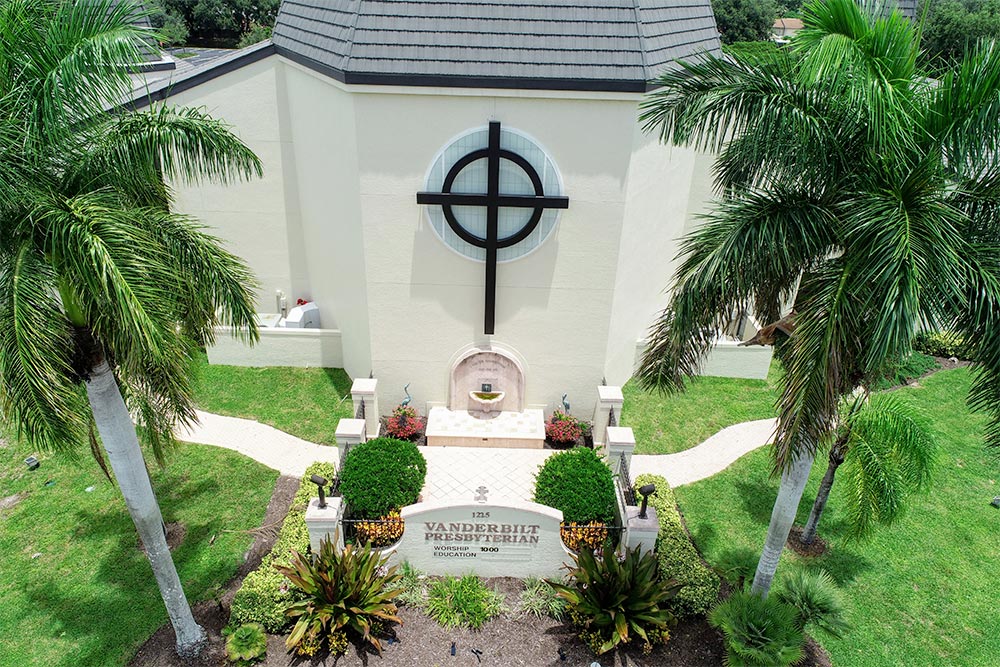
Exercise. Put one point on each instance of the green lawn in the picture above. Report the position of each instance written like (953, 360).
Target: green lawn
(664, 424)
(922, 593)
(306, 402)
(75, 589)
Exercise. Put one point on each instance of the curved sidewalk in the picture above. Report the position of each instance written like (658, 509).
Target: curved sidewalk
(710, 457)
(275, 449)
(290, 455)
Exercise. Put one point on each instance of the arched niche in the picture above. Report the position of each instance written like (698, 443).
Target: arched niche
(492, 367)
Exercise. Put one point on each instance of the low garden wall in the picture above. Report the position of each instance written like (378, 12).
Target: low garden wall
(320, 348)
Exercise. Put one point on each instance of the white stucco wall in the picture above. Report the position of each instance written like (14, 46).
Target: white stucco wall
(656, 215)
(250, 217)
(335, 220)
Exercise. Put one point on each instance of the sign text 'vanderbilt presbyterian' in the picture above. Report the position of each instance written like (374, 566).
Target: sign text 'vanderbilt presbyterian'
(519, 539)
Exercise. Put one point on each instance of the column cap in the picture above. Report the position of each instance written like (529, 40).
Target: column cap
(364, 386)
(350, 428)
(620, 435)
(609, 394)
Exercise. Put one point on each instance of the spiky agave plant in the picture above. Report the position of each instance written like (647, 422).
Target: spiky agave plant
(613, 601)
(348, 591)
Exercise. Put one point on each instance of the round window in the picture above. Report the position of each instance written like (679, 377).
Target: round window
(525, 171)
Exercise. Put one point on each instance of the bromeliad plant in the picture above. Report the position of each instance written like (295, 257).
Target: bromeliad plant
(246, 644)
(613, 601)
(347, 592)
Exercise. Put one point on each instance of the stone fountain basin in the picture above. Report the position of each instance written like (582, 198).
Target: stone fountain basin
(487, 400)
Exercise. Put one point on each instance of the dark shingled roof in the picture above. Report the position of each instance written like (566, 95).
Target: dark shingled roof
(548, 44)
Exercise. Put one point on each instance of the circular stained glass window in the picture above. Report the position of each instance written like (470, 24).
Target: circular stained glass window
(514, 179)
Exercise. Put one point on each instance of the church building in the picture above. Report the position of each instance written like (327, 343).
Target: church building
(447, 179)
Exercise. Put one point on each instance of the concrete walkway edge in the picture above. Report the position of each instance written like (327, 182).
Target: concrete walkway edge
(290, 455)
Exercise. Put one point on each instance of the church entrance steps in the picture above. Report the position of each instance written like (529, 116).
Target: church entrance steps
(461, 428)
(461, 473)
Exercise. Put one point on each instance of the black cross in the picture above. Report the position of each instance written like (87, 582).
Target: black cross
(492, 200)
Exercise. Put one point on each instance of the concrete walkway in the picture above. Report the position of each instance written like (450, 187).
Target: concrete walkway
(452, 470)
(275, 449)
(710, 457)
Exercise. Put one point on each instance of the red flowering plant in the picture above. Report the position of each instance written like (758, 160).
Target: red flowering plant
(563, 428)
(404, 424)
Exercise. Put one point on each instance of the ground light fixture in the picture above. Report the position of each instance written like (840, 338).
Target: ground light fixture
(646, 492)
(320, 483)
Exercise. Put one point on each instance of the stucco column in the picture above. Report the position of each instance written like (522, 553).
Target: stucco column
(621, 440)
(641, 533)
(365, 389)
(324, 523)
(350, 432)
(607, 398)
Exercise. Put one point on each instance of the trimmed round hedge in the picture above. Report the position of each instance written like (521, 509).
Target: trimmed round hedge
(579, 483)
(382, 475)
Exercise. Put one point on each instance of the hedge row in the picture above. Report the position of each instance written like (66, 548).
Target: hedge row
(678, 558)
(265, 593)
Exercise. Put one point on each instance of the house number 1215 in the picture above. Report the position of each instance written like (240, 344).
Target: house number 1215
(480, 515)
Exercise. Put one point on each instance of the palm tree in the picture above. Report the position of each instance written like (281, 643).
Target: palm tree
(887, 453)
(852, 186)
(105, 294)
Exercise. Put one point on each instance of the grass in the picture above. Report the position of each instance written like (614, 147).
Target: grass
(76, 590)
(665, 424)
(921, 593)
(306, 402)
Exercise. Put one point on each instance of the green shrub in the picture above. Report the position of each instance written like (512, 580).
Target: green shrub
(265, 594)
(256, 33)
(817, 601)
(911, 367)
(463, 602)
(539, 599)
(263, 598)
(579, 483)
(382, 475)
(941, 344)
(343, 592)
(246, 644)
(612, 602)
(678, 558)
(759, 632)
(414, 586)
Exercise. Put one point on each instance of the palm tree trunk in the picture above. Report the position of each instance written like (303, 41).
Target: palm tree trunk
(793, 482)
(836, 458)
(120, 442)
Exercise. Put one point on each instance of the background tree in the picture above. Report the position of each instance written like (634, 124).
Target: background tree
(224, 19)
(104, 294)
(888, 454)
(169, 25)
(953, 26)
(852, 186)
(744, 20)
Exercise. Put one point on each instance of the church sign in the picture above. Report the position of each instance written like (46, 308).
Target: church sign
(497, 218)
(516, 539)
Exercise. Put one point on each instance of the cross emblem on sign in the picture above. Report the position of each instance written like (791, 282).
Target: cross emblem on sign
(493, 201)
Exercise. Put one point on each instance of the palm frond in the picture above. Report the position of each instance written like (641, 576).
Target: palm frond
(749, 253)
(37, 393)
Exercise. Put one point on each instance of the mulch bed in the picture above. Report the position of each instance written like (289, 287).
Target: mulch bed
(512, 640)
(817, 548)
(159, 650)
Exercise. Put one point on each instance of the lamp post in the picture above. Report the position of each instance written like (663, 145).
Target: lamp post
(646, 492)
(320, 483)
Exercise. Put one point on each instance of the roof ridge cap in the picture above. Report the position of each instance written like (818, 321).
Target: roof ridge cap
(642, 40)
(350, 36)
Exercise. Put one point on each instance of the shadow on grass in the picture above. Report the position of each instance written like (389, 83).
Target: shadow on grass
(340, 380)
